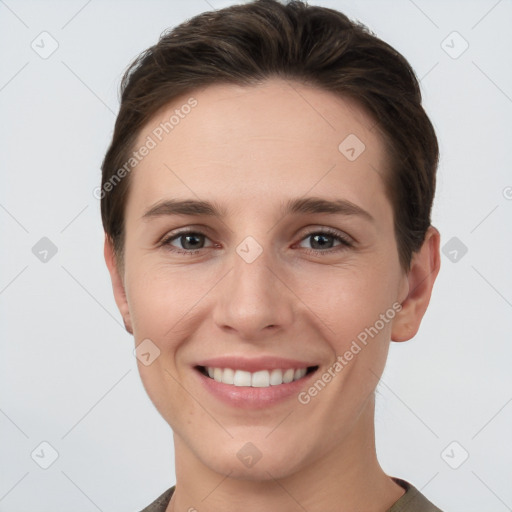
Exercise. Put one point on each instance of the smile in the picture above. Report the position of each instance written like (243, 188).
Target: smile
(258, 379)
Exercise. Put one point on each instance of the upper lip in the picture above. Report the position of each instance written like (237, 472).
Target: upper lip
(253, 364)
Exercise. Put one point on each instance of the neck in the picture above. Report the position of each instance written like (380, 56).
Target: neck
(345, 479)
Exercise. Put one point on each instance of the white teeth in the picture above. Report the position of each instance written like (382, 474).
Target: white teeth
(228, 376)
(259, 379)
(299, 374)
(241, 378)
(276, 377)
(217, 374)
(288, 375)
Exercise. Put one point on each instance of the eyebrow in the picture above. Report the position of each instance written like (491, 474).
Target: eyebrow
(306, 205)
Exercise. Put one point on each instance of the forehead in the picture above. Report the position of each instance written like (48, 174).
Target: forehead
(252, 140)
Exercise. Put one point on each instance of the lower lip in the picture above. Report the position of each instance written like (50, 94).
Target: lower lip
(245, 397)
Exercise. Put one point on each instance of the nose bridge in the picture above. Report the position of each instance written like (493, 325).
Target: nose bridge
(251, 269)
(253, 298)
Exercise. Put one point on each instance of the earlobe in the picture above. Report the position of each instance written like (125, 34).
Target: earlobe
(424, 269)
(117, 283)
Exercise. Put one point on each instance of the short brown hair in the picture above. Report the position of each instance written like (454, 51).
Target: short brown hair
(247, 44)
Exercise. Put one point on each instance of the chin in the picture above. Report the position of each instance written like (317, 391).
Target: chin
(257, 461)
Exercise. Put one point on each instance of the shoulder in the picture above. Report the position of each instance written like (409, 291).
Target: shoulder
(412, 500)
(160, 504)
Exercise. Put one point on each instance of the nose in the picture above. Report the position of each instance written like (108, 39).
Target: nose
(253, 299)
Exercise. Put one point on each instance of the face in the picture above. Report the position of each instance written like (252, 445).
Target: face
(288, 268)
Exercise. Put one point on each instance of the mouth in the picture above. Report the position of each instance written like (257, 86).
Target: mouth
(258, 379)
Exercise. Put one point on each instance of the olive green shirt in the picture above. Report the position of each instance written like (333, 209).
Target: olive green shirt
(411, 501)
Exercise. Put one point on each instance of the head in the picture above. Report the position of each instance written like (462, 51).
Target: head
(306, 163)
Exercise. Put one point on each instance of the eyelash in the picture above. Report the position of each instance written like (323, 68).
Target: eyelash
(345, 242)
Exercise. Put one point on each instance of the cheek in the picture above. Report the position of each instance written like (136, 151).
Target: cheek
(160, 297)
(350, 299)
(160, 302)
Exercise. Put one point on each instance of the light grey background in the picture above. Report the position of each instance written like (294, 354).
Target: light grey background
(68, 374)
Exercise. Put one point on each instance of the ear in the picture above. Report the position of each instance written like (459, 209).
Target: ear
(117, 283)
(424, 268)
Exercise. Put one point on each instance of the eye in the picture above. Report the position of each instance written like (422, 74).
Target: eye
(323, 241)
(190, 241)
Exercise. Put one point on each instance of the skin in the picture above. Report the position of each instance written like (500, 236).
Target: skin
(249, 149)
